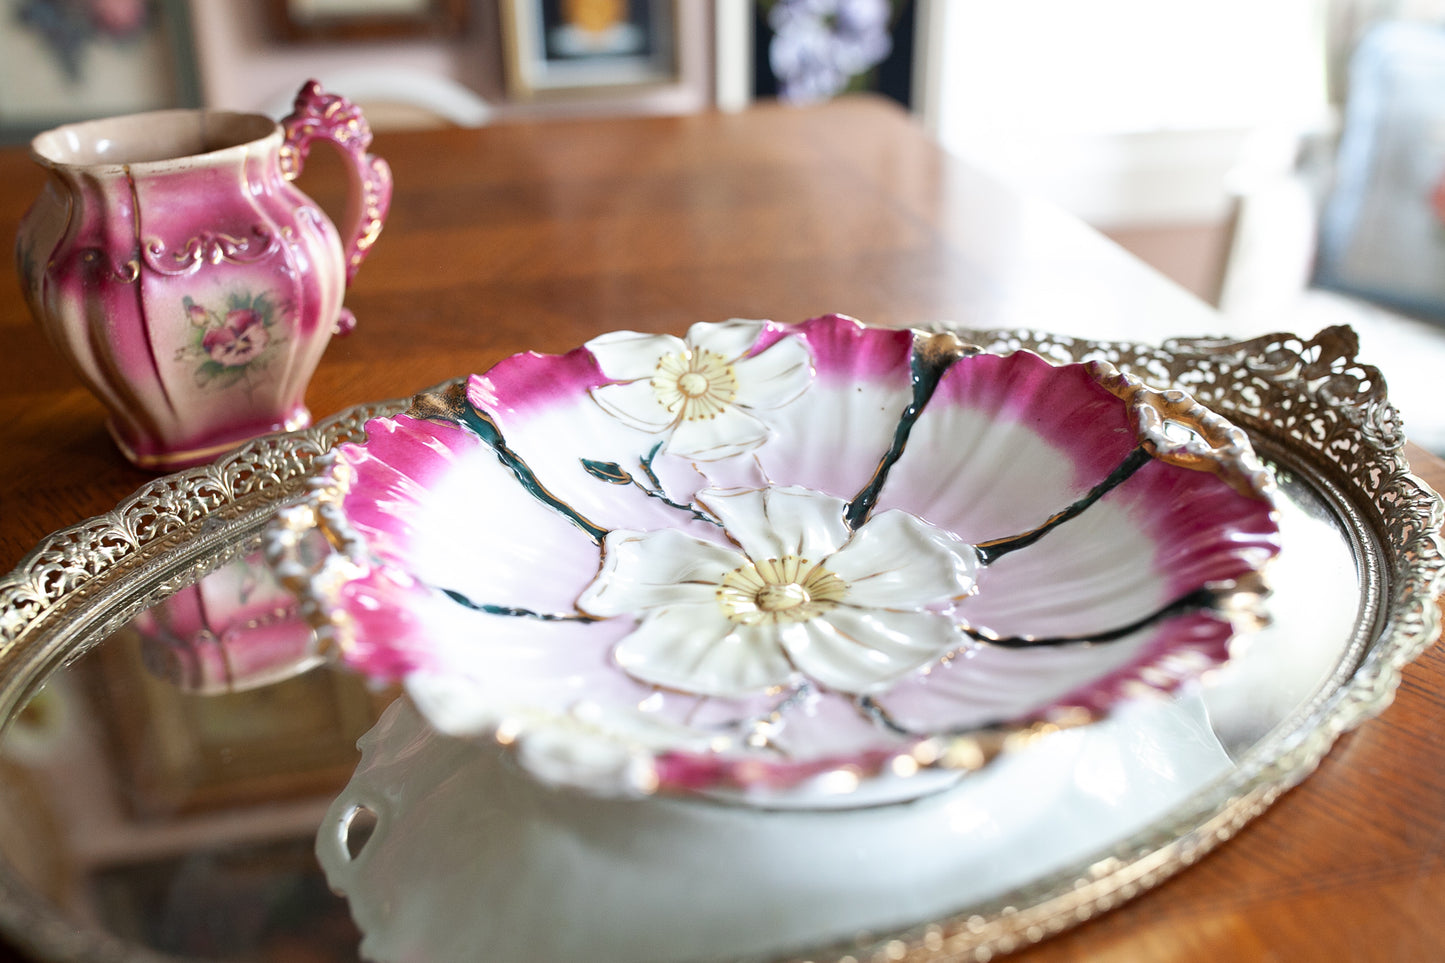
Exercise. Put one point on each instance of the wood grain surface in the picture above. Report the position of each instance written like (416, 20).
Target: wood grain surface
(541, 235)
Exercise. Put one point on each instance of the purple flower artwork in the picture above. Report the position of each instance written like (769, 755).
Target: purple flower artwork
(819, 48)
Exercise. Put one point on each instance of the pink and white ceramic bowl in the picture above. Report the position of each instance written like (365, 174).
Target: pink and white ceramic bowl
(784, 562)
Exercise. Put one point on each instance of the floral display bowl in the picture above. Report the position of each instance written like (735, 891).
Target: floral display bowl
(782, 562)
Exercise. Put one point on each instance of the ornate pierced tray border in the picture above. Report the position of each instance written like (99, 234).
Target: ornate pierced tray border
(1310, 401)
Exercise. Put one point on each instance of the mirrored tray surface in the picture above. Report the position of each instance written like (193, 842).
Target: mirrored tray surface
(161, 784)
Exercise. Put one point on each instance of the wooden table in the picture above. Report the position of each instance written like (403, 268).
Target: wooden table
(542, 235)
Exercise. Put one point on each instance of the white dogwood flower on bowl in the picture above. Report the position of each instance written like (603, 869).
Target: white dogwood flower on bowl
(803, 596)
(703, 392)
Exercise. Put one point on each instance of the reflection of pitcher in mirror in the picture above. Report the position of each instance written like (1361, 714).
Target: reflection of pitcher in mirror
(235, 629)
(189, 283)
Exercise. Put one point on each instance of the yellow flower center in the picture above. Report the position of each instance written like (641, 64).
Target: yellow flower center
(692, 384)
(787, 589)
(777, 598)
(695, 384)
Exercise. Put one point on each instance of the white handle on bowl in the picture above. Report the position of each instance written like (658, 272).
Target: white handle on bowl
(342, 842)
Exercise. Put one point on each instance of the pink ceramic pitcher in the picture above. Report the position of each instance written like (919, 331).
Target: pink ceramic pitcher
(190, 284)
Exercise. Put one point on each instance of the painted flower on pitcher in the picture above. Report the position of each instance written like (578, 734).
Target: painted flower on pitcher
(801, 595)
(238, 340)
(703, 392)
(231, 342)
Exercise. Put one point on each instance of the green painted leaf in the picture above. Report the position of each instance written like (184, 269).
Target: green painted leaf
(209, 371)
(608, 471)
(230, 377)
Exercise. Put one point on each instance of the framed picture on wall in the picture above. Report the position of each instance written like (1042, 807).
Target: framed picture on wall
(807, 52)
(567, 46)
(62, 61)
(326, 20)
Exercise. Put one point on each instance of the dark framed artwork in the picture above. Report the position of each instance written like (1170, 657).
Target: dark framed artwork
(1382, 231)
(343, 20)
(62, 61)
(806, 51)
(567, 46)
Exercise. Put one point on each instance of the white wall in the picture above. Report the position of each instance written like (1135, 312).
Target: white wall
(1128, 111)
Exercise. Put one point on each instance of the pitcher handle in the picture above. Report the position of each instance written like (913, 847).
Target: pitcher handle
(334, 118)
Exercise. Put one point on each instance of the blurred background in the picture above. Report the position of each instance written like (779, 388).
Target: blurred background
(1284, 160)
(1281, 159)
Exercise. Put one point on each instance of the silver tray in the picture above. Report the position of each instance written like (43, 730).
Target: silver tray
(1314, 412)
